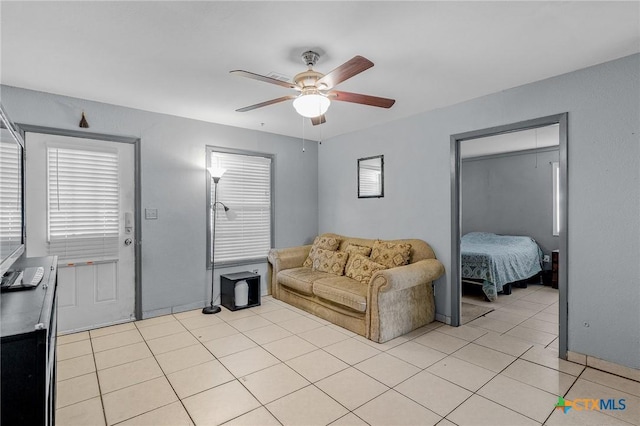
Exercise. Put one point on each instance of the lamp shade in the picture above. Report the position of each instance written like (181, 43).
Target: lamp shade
(216, 172)
(231, 214)
(311, 105)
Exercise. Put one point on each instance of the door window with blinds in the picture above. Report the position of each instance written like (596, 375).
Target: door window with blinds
(244, 234)
(82, 204)
(10, 195)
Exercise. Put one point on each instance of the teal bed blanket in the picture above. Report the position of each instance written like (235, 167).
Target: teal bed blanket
(499, 259)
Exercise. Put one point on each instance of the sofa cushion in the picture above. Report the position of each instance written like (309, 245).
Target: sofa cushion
(390, 254)
(362, 268)
(321, 242)
(330, 261)
(342, 291)
(300, 279)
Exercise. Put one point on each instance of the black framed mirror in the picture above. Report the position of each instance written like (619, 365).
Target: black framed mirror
(371, 177)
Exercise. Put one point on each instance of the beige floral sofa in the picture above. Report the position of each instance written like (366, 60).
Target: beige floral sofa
(378, 289)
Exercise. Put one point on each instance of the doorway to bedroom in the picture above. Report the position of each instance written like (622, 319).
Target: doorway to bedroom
(509, 231)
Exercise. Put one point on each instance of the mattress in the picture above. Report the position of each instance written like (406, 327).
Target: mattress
(499, 259)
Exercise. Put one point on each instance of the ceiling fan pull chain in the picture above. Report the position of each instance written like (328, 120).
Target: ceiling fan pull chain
(303, 148)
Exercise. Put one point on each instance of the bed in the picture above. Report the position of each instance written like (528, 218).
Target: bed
(497, 261)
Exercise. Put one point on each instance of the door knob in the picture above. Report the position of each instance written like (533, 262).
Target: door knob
(128, 242)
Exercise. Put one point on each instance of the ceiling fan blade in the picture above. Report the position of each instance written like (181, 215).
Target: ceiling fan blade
(266, 103)
(352, 67)
(318, 120)
(264, 78)
(357, 98)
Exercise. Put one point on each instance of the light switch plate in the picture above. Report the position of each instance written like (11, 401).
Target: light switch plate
(150, 214)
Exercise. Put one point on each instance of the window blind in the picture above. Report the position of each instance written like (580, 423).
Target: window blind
(10, 196)
(83, 204)
(245, 188)
(369, 181)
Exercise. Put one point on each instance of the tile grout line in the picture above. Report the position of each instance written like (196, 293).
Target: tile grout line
(153, 355)
(143, 381)
(93, 355)
(527, 384)
(222, 364)
(284, 362)
(518, 358)
(601, 384)
(214, 357)
(238, 379)
(393, 387)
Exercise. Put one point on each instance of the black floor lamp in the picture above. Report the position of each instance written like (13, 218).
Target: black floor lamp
(216, 174)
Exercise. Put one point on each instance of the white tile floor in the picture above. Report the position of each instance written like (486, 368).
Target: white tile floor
(275, 364)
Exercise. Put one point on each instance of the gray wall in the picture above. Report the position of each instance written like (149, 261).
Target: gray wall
(604, 197)
(174, 274)
(510, 194)
(603, 103)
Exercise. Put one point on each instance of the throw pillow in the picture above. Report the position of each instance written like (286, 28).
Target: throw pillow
(362, 268)
(353, 249)
(390, 254)
(330, 261)
(356, 249)
(321, 242)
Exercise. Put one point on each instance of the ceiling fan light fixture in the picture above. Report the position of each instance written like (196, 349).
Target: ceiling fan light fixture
(316, 90)
(311, 105)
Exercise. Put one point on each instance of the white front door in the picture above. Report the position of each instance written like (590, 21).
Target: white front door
(79, 199)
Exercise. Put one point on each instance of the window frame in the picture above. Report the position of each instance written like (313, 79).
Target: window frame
(223, 150)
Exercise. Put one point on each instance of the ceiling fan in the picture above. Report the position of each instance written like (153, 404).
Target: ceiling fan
(317, 89)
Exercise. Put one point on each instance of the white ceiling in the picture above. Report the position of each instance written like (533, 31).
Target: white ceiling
(175, 57)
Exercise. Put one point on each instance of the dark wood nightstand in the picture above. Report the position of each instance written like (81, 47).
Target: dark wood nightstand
(554, 268)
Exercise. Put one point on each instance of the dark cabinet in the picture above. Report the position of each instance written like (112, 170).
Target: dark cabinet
(228, 286)
(28, 329)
